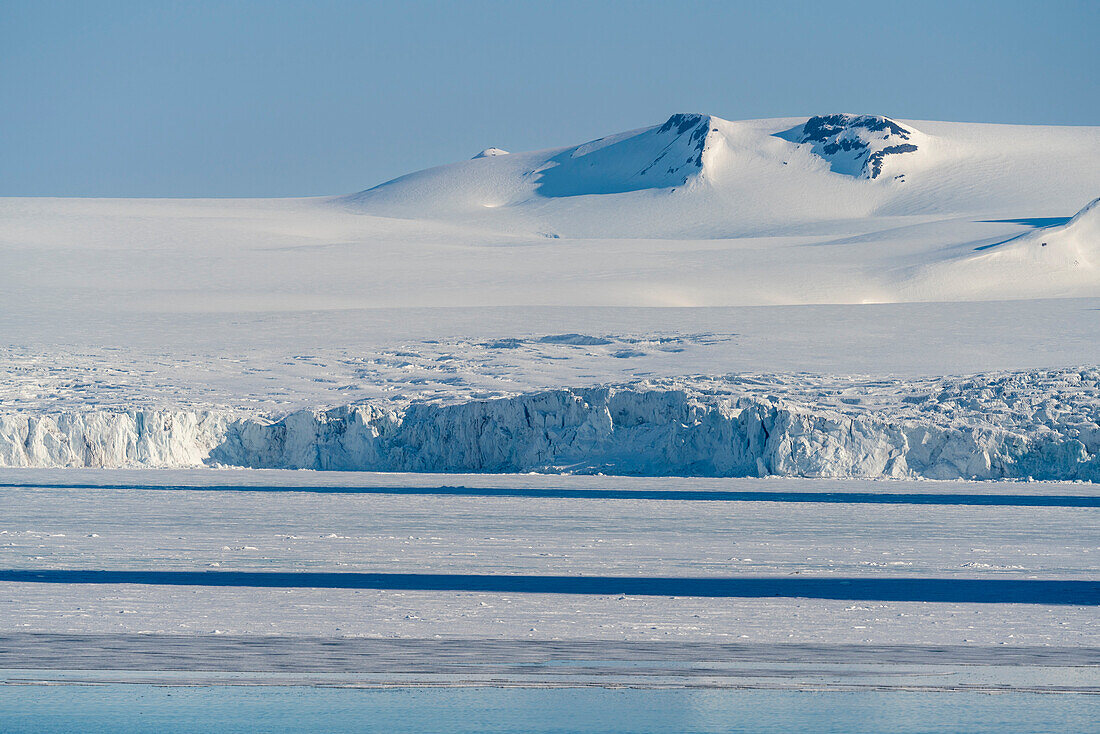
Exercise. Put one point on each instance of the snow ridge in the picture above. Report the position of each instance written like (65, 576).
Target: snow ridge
(668, 156)
(1042, 424)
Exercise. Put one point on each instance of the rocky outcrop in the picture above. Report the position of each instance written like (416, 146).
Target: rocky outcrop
(857, 145)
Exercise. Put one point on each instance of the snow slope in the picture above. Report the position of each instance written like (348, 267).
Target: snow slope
(697, 211)
(1052, 259)
(698, 176)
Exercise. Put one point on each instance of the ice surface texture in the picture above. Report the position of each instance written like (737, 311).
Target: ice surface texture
(1037, 424)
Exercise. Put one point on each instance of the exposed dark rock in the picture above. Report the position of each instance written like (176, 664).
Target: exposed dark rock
(855, 144)
(875, 161)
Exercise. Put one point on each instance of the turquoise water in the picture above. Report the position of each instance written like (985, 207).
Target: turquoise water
(146, 708)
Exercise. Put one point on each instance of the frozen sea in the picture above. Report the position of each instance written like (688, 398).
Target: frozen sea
(245, 600)
(139, 708)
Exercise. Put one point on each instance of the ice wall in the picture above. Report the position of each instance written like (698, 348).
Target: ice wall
(159, 438)
(1014, 425)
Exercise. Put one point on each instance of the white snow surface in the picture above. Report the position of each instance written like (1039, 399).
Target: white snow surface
(501, 313)
(490, 152)
(836, 298)
(697, 211)
(126, 523)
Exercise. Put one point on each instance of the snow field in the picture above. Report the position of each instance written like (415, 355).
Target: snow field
(282, 528)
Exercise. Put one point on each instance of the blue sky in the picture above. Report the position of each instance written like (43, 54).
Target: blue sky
(276, 98)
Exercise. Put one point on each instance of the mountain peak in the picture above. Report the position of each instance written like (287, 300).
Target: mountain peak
(856, 145)
(490, 153)
(684, 121)
(696, 127)
(667, 156)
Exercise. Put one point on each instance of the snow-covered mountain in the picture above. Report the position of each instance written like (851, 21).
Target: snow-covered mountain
(127, 323)
(857, 145)
(694, 211)
(699, 176)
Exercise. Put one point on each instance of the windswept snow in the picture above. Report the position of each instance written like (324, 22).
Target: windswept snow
(1074, 245)
(664, 157)
(1049, 259)
(698, 176)
(696, 211)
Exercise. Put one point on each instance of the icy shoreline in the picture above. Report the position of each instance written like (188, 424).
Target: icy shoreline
(1036, 424)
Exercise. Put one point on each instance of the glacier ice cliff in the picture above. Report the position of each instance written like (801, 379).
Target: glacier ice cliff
(103, 438)
(1038, 424)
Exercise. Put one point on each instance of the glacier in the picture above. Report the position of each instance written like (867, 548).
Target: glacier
(1038, 424)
